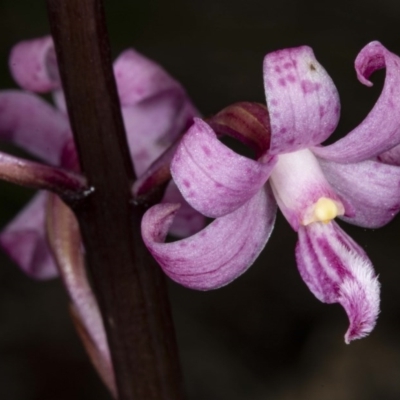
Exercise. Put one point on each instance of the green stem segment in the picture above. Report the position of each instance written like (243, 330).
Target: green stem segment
(129, 286)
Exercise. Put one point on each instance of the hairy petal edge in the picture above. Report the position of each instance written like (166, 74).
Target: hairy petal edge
(337, 270)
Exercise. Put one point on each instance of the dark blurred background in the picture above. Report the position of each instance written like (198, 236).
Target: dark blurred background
(265, 336)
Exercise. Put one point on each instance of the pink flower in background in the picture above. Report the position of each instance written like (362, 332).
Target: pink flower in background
(44, 238)
(354, 179)
(156, 111)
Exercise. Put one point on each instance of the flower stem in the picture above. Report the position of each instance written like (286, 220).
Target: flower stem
(129, 286)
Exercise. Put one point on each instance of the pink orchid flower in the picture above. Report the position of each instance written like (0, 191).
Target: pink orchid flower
(44, 238)
(155, 108)
(354, 179)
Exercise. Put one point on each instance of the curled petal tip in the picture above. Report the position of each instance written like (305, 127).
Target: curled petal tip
(158, 220)
(33, 64)
(363, 142)
(187, 220)
(212, 178)
(337, 270)
(361, 302)
(369, 60)
(219, 253)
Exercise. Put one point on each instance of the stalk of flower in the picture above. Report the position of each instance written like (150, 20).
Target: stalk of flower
(351, 179)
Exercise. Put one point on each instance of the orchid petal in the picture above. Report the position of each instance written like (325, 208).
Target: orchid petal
(212, 178)
(155, 107)
(138, 78)
(302, 100)
(29, 122)
(371, 187)
(380, 130)
(153, 125)
(33, 64)
(187, 221)
(219, 253)
(336, 270)
(25, 240)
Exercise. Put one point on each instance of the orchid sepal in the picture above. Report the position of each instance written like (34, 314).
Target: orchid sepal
(380, 130)
(33, 64)
(220, 252)
(371, 189)
(302, 100)
(212, 178)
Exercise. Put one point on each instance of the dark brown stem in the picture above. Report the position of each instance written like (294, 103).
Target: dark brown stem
(129, 285)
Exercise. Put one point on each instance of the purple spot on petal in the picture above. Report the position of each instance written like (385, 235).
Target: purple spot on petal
(321, 111)
(283, 130)
(140, 90)
(206, 150)
(277, 69)
(282, 82)
(186, 183)
(291, 78)
(269, 84)
(274, 102)
(309, 87)
(218, 185)
(287, 65)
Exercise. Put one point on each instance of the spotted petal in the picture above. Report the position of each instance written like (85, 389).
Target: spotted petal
(337, 270)
(25, 241)
(302, 100)
(212, 178)
(219, 253)
(372, 188)
(380, 130)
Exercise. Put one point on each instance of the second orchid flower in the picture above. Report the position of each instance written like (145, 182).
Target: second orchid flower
(354, 179)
